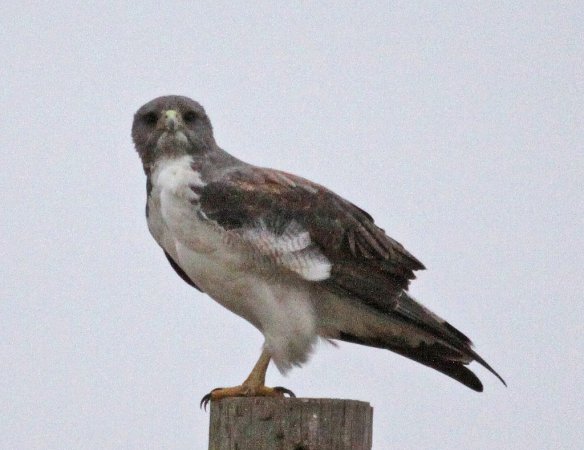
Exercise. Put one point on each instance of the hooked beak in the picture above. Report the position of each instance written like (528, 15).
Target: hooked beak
(171, 119)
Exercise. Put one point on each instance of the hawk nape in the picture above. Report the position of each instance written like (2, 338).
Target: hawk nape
(288, 255)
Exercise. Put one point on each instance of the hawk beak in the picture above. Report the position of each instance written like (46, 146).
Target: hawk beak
(171, 119)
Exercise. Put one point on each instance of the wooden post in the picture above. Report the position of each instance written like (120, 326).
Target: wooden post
(260, 423)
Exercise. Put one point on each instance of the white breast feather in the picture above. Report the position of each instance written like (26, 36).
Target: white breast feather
(279, 307)
(175, 176)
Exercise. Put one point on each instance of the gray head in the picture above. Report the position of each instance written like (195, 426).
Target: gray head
(171, 125)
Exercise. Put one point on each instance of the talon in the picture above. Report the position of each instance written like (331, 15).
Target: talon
(253, 386)
(283, 390)
(207, 398)
(245, 391)
(205, 401)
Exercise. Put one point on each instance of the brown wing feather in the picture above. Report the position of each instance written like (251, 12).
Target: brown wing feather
(365, 261)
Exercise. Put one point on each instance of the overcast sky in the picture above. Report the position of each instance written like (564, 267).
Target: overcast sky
(458, 126)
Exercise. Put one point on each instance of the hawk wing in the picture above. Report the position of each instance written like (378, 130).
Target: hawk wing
(310, 230)
(181, 273)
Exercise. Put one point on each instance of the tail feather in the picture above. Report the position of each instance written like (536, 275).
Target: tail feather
(426, 356)
(422, 317)
(427, 339)
(486, 365)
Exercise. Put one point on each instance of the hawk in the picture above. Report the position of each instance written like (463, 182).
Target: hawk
(291, 257)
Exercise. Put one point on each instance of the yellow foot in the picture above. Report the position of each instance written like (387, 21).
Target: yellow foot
(245, 391)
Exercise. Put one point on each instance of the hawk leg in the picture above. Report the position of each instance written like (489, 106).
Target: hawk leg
(253, 386)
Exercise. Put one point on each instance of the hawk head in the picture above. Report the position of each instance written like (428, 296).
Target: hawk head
(171, 126)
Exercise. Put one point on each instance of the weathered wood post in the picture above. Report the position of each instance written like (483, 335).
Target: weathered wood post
(260, 423)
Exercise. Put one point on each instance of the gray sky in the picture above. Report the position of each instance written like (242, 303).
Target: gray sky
(458, 126)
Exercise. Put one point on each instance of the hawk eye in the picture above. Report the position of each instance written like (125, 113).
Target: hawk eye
(190, 116)
(150, 118)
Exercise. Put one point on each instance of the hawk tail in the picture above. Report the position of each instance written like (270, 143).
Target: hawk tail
(413, 331)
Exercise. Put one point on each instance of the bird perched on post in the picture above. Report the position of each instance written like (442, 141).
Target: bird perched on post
(288, 255)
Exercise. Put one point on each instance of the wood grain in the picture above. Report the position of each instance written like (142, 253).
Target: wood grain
(259, 423)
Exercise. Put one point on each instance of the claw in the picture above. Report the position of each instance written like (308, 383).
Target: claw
(204, 402)
(283, 390)
(206, 399)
